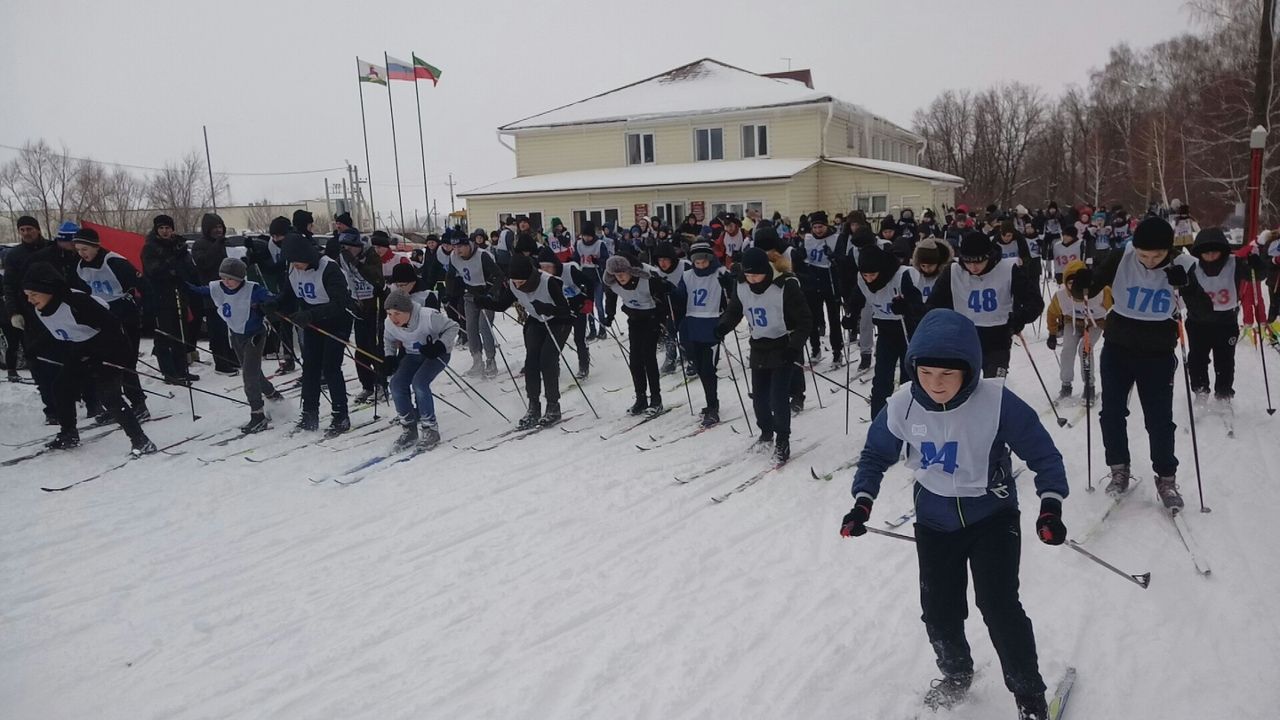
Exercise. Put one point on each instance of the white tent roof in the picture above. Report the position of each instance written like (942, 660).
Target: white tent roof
(897, 168)
(701, 87)
(697, 173)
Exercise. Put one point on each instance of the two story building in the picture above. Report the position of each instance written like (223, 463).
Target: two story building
(706, 138)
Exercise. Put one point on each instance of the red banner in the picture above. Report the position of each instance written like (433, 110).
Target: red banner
(122, 242)
(642, 210)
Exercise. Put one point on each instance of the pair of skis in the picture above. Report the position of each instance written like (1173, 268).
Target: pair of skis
(164, 450)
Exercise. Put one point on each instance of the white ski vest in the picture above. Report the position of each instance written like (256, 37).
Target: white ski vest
(360, 288)
(308, 285)
(541, 294)
(233, 307)
(952, 448)
(764, 312)
(817, 251)
(985, 299)
(1091, 310)
(637, 299)
(1064, 255)
(1033, 247)
(923, 282)
(571, 289)
(470, 270)
(1008, 251)
(704, 294)
(590, 254)
(672, 277)
(102, 280)
(881, 300)
(63, 326)
(425, 326)
(1142, 294)
(1221, 288)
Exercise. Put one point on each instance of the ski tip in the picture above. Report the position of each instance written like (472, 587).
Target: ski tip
(1144, 581)
(814, 473)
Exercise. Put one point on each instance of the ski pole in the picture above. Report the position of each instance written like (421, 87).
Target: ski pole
(377, 374)
(166, 396)
(1191, 410)
(746, 377)
(196, 347)
(335, 338)
(182, 328)
(463, 381)
(671, 310)
(507, 365)
(1262, 351)
(733, 376)
(1052, 405)
(886, 533)
(625, 355)
(846, 395)
(1086, 361)
(156, 377)
(837, 383)
(567, 366)
(1142, 580)
(816, 391)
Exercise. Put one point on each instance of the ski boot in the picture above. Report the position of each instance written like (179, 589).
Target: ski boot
(142, 445)
(639, 407)
(864, 364)
(1119, 480)
(13, 376)
(1167, 491)
(797, 405)
(477, 367)
(552, 415)
(765, 439)
(51, 419)
(227, 370)
(190, 377)
(668, 366)
(408, 433)
(782, 449)
(1065, 392)
(100, 415)
(365, 397)
(63, 441)
(1032, 707)
(1087, 394)
(490, 368)
(710, 417)
(655, 407)
(428, 436)
(308, 422)
(690, 369)
(948, 691)
(257, 423)
(837, 358)
(286, 367)
(531, 417)
(140, 413)
(273, 396)
(337, 426)
(815, 354)
(584, 369)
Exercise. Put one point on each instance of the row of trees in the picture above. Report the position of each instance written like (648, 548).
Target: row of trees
(52, 185)
(1166, 123)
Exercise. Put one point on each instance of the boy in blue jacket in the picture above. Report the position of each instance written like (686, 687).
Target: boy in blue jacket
(961, 428)
(698, 298)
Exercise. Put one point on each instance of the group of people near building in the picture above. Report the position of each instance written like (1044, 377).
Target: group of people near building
(933, 305)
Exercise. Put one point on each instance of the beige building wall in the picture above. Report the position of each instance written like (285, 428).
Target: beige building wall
(802, 195)
(841, 186)
(581, 148)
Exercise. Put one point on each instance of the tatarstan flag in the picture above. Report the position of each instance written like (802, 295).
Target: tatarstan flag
(423, 70)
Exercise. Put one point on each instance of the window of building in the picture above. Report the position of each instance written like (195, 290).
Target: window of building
(535, 218)
(872, 204)
(598, 216)
(737, 208)
(671, 214)
(640, 148)
(755, 141)
(708, 144)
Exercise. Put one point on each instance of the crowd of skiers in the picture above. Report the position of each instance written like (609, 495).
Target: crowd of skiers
(933, 305)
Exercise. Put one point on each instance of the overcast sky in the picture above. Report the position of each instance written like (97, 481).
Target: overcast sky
(132, 81)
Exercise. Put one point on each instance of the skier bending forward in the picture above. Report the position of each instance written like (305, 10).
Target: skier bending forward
(961, 428)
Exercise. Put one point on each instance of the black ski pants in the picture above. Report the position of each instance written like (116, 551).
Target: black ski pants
(1218, 339)
(818, 300)
(171, 333)
(891, 356)
(368, 337)
(991, 550)
(703, 357)
(542, 343)
(771, 397)
(580, 341)
(107, 384)
(996, 346)
(1121, 369)
(13, 340)
(322, 360)
(642, 336)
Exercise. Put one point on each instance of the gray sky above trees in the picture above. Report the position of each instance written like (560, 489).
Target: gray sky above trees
(132, 81)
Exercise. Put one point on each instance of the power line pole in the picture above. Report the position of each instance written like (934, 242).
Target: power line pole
(453, 207)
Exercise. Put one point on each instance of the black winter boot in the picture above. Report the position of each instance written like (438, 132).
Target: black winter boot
(1032, 707)
(552, 415)
(64, 441)
(531, 417)
(142, 445)
(639, 407)
(948, 691)
(308, 422)
(782, 449)
(339, 425)
(257, 423)
(408, 435)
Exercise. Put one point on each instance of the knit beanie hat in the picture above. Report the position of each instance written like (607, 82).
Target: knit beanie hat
(232, 269)
(87, 236)
(398, 300)
(279, 227)
(766, 238)
(975, 245)
(888, 223)
(547, 255)
(588, 228)
(45, 278)
(875, 259)
(67, 231)
(818, 217)
(1153, 234)
(160, 221)
(28, 221)
(380, 238)
(521, 267)
(755, 261)
(301, 219)
(403, 273)
(344, 218)
(702, 249)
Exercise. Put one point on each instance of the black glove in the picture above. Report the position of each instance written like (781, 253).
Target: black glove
(269, 307)
(855, 522)
(1049, 525)
(390, 364)
(1083, 279)
(898, 306)
(849, 322)
(545, 308)
(1052, 342)
(484, 302)
(722, 331)
(433, 350)
(1176, 275)
(608, 320)
(1015, 328)
(301, 318)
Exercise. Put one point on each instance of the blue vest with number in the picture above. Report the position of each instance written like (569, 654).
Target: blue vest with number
(1142, 294)
(764, 312)
(233, 307)
(985, 299)
(308, 284)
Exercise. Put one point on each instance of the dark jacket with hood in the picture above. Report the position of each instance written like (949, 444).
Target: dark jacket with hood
(108, 345)
(773, 353)
(1200, 306)
(16, 262)
(65, 260)
(299, 247)
(208, 252)
(167, 266)
(945, 334)
(1028, 303)
(886, 266)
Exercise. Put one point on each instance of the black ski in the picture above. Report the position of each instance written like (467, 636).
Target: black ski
(165, 450)
(759, 476)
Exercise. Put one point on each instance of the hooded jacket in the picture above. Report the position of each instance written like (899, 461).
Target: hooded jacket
(1028, 303)
(167, 266)
(945, 334)
(298, 247)
(208, 252)
(109, 344)
(1245, 264)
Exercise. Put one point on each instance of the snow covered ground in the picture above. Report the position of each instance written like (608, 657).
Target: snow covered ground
(566, 576)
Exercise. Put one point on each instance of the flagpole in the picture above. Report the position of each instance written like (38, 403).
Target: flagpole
(426, 195)
(395, 152)
(364, 128)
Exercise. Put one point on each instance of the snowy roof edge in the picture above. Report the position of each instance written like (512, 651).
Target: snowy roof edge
(896, 168)
(783, 169)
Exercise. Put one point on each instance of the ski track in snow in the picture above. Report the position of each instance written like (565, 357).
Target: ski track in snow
(563, 576)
